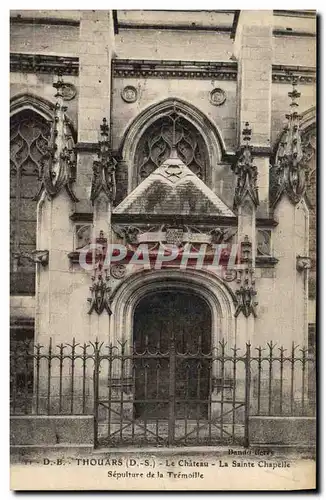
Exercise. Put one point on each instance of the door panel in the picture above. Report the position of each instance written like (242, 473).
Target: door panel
(175, 323)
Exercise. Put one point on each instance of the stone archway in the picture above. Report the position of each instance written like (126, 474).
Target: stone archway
(208, 131)
(220, 299)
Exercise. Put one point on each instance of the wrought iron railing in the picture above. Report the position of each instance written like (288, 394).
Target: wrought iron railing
(172, 393)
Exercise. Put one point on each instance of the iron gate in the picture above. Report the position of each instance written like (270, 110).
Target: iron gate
(164, 397)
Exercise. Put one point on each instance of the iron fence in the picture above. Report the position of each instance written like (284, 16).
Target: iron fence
(166, 394)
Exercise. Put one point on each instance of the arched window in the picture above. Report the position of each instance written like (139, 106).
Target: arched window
(156, 143)
(29, 135)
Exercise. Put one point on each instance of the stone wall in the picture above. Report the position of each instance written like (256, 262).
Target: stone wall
(252, 95)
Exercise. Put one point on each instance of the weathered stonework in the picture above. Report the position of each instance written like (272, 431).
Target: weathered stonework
(172, 167)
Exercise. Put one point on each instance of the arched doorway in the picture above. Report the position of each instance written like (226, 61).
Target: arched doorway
(176, 326)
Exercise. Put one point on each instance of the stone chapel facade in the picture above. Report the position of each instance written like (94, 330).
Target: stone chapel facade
(204, 95)
(163, 128)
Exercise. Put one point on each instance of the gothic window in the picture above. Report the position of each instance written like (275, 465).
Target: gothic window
(157, 142)
(29, 135)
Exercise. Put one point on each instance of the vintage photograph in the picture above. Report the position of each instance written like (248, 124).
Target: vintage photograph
(163, 249)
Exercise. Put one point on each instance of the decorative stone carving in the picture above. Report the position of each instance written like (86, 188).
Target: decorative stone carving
(246, 172)
(246, 293)
(217, 97)
(118, 271)
(245, 297)
(171, 137)
(263, 242)
(128, 233)
(103, 180)
(289, 174)
(125, 68)
(100, 289)
(282, 76)
(69, 92)
(58, 165)
(43, 63)
(303, 263)
(129, 94)
(100, 295)
(173, 235)
(83, 235)
(36, 256)
(230, 275)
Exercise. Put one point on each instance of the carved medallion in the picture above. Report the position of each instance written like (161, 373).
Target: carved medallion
(118, 271)
(129, 94)
(69, 92)
(229, 275)
(217, 97)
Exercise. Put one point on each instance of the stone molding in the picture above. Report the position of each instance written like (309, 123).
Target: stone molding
(284, 74)
(218, 295)
(128, 68)
(44, 63)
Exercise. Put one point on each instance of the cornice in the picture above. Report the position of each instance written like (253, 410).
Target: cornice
(124, 68)
(266, 261)
(225, 70)
(56, 21)
(133, 218)
(21, 322)
(284, 74)
(127, 68)
(43, 63)
(290, 32)
(81, 217)
(295, 13)
(86, 147)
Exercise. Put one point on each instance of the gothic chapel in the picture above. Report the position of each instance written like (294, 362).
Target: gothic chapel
(161, 128)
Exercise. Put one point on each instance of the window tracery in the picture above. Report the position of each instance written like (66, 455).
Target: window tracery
(172, 130)
(29, 137)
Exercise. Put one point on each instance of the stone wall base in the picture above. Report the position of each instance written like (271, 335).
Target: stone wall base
(282, 431)
(46, 431)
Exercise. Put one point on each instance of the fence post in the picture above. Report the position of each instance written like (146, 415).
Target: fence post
(172, 363)
(247, 396)
(97, 348)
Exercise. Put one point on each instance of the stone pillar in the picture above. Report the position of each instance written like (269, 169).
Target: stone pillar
(253, 49)
(96, 46)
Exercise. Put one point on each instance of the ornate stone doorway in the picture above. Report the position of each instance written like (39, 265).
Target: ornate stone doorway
(172, 321)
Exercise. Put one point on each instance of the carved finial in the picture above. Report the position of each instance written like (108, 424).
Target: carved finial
(246, 172)
(59, 162)
(289, 174)
(104, 168)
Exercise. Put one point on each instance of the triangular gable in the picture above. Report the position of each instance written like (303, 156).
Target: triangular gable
(173, 189)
